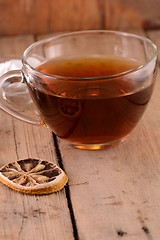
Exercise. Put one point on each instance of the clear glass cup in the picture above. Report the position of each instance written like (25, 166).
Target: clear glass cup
(88, 112)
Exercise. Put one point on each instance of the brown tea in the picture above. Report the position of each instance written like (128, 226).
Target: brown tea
(90, 111)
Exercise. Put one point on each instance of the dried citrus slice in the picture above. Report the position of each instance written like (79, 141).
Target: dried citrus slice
(33, 176)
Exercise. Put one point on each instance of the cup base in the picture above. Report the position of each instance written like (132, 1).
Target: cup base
(96, 146)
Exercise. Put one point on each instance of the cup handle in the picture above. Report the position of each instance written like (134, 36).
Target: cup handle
(15, 98)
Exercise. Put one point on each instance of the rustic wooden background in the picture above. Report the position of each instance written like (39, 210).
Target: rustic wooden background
(114, 193)
(48, 16)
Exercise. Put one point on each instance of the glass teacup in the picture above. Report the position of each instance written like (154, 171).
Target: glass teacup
(89, 87)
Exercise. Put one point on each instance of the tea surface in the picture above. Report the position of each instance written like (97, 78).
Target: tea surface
(87, 67)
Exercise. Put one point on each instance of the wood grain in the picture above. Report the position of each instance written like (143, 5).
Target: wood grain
(42, 17)
(24, 217)
(119, 15)
(116, 192)
(74, 15)
(139, 14)
(13, 47)
(47, 16)
(23, 16)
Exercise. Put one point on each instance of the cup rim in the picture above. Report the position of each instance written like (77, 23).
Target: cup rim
(75, 33)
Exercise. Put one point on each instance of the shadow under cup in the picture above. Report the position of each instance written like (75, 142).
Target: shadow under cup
(91, 88)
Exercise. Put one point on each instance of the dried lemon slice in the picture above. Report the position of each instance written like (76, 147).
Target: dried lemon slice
(33, 176)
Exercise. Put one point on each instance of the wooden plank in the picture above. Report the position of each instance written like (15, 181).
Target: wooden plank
(13, 47)
(116, 192)
(118, 15)
(74, 15)
(42, 17)
(38, 16)
(24, 16)
(136, 14)
(22, 216)
(45, 36)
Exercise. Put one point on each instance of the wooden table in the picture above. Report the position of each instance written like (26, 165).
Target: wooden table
(112, 194)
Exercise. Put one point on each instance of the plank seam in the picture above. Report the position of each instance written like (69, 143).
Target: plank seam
(67, 189)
